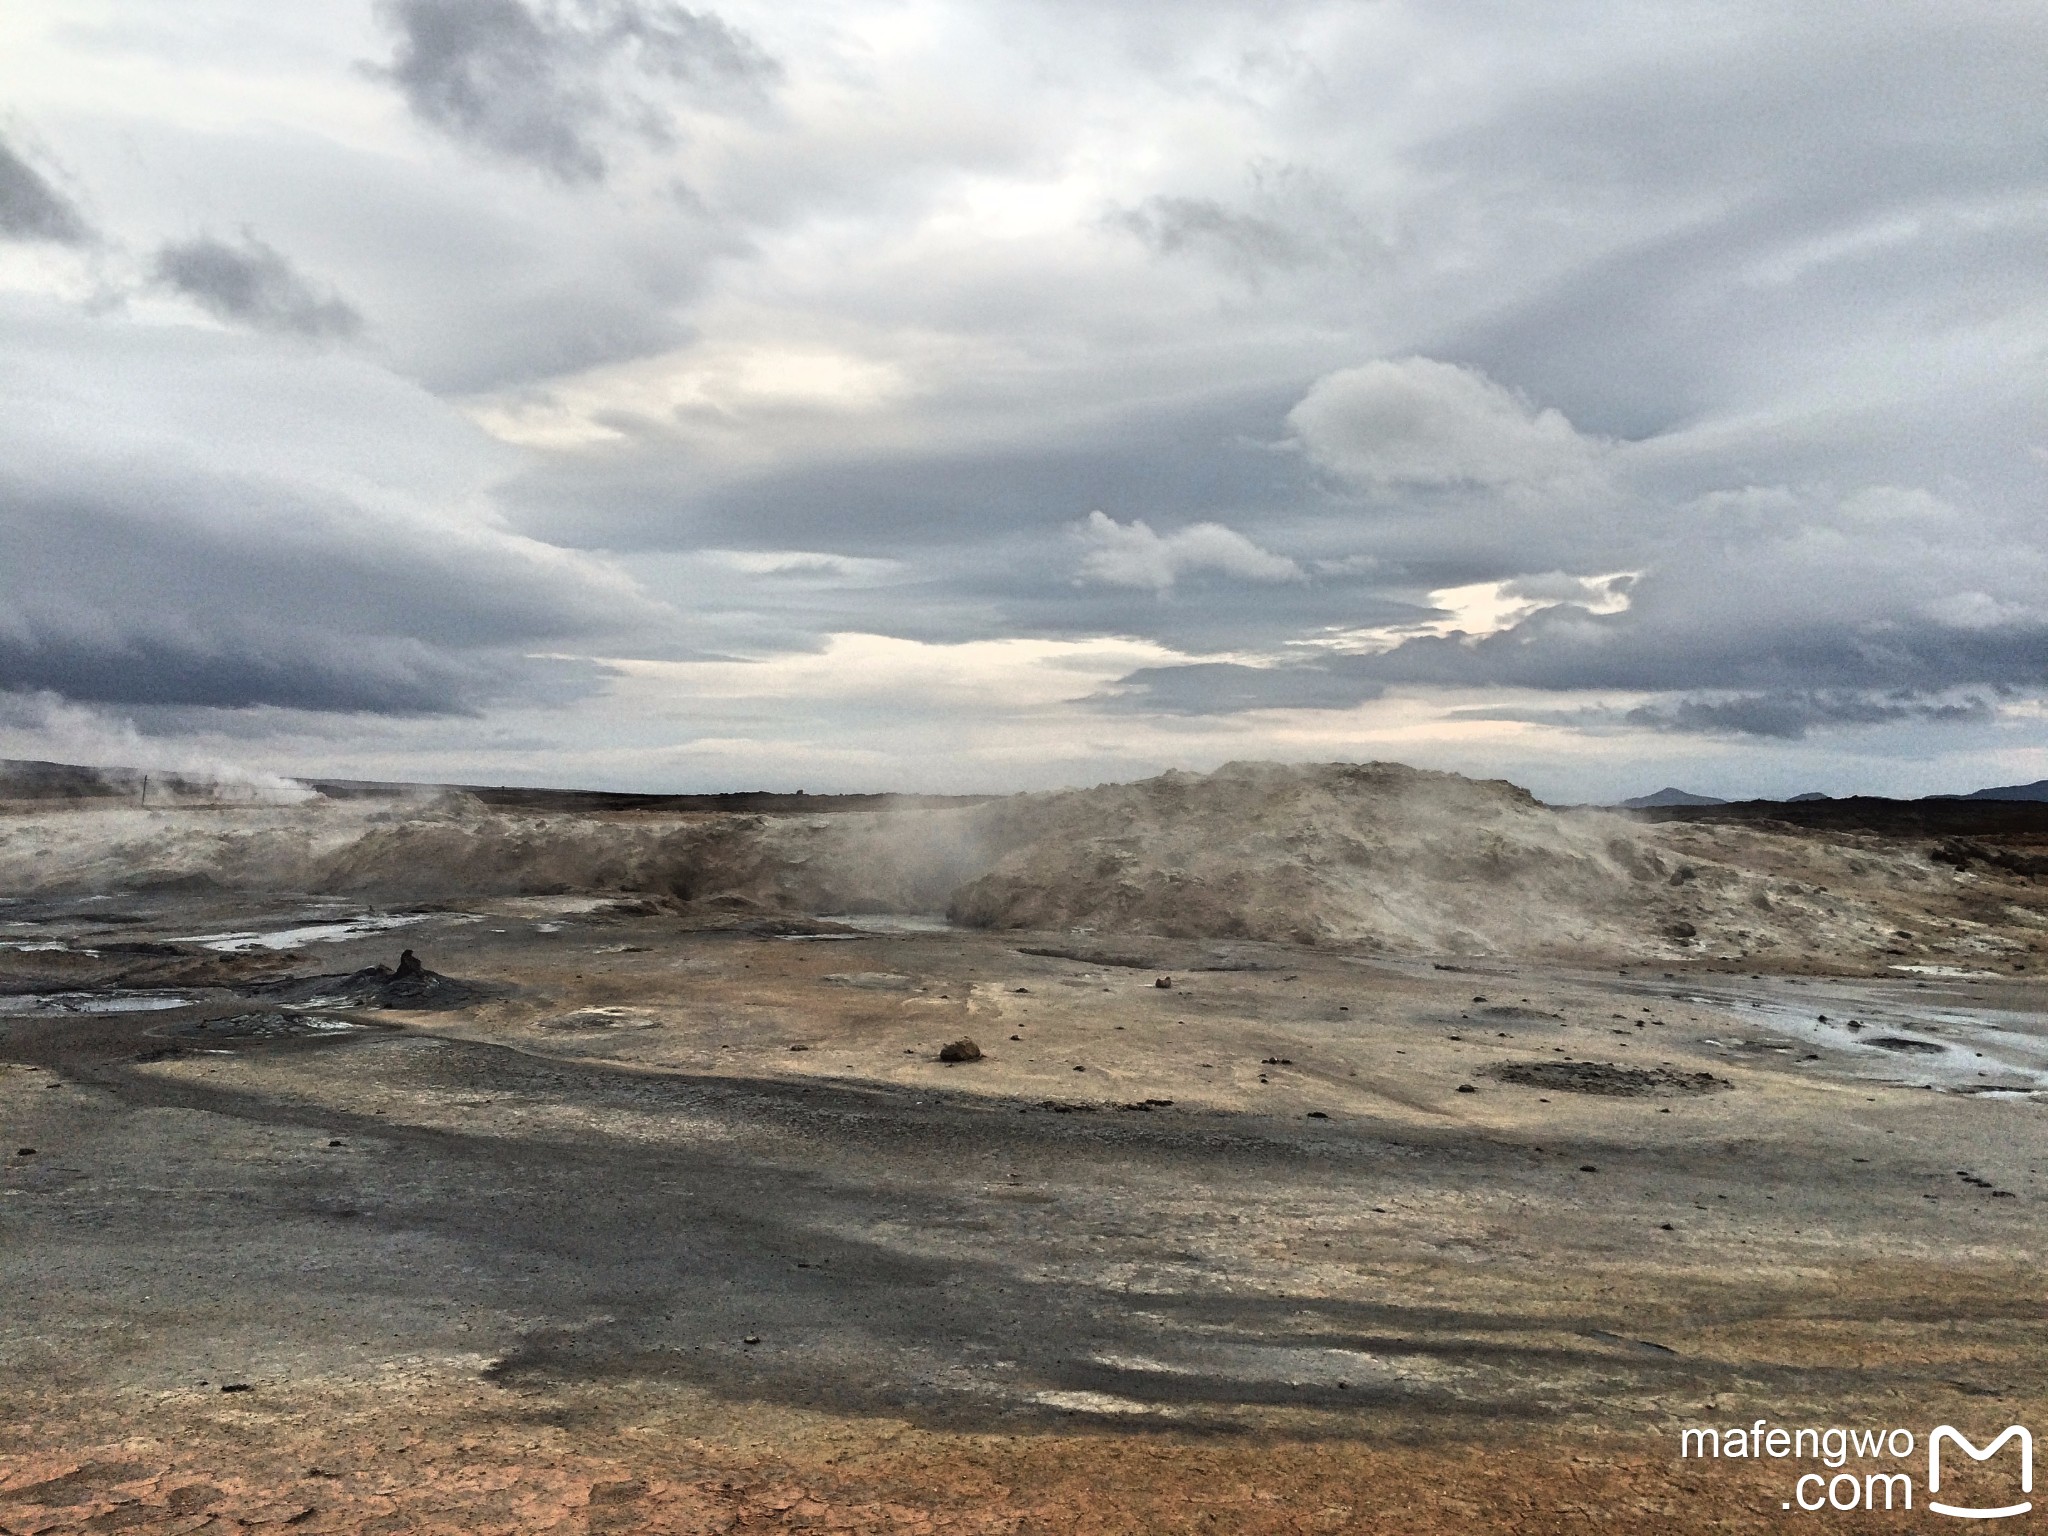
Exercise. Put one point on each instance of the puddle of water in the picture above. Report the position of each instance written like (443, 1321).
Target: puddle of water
(307, 933)
(890, 922)
(1904, 1037)
(49, 1004)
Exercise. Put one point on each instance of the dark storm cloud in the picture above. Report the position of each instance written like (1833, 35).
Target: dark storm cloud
(204, 519)
(125, 591)
(1562, 651)
(1789, 716)
(252, 284)
(32, 209)
(551, 84)
(352, 674)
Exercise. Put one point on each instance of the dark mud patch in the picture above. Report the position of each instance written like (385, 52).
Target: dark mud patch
(1905, 1047)
(1604, 1078)
(1168, 957)
(1511, 1011)
(268, 1025)
(408, 986)
(1129, 959)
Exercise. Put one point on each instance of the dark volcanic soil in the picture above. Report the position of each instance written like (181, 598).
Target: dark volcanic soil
(664, 1229)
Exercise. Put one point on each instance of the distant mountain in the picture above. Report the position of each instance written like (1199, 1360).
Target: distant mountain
(1669, 796)
(2038, 790)
(1811, 794)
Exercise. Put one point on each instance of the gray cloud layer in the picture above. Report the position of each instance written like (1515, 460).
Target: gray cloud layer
(32, 209)
(1686, 377)
(555, 84)
(252, 284)
(217, 524)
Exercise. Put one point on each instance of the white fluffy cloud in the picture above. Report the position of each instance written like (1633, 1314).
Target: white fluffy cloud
(1132, 555)
(1415, 421)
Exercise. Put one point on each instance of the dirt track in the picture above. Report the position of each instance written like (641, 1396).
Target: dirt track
(1008, 1295)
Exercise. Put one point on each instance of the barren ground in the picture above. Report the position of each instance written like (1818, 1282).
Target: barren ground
(688, 1229)
(693, 1231)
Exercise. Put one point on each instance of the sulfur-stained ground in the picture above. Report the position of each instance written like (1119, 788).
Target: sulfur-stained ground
(684, 1229)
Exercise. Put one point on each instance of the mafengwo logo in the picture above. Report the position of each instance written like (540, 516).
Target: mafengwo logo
(1954, 1436)
(1886, 1460)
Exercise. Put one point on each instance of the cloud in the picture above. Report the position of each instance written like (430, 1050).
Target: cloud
(551, 84)
(1420, 423)
(1788, 716)
(252, 284)
(1753, 308)
(1225, 688)
(32, 209)
(1172, 225)
(1131, 555)
(194, 519)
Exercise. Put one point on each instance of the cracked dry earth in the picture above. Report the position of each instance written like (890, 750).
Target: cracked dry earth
(674, 1230)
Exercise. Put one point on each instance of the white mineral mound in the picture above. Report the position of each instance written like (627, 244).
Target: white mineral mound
(1372, 854)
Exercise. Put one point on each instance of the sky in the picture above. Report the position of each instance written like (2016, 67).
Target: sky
(944, 396)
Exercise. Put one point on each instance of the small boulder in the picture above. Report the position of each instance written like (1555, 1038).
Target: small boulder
(962, 1049)
(409, 968)
(1164, 981)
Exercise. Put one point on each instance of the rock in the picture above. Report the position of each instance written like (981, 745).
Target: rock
(1164, 981)
(1466, 1088)
(962, 1049)
(408, 967)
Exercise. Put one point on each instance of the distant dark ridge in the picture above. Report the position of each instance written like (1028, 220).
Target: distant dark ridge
(1670, 794)
(1869, 813)
(751, 802)
(24, 779)
(27, 779)
(2038, 790)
